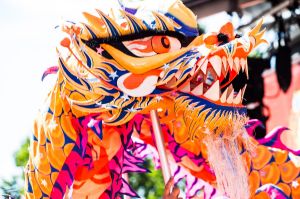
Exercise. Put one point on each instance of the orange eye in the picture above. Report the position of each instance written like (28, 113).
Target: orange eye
(161, 44)
(150, 46)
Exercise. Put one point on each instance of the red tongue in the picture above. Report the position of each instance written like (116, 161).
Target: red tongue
(135, 80)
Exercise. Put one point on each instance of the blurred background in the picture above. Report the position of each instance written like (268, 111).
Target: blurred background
(28, 40)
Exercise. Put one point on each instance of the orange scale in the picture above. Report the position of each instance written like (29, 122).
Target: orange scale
(281, 156)
(54, 176)
(288, 171)
(270, 174)
(29, 195)
(295, 185)
(194, 146)
(180, 133)
(39, 133)
(34, 185)
(54, 134)
(254, 181)
(41, 161)
(56, 104)
(56, 156)
(261, 195)
(285, 188)
(204, 151)
(261, 157)
(44, 182)
(30, 166)
(111, 143)
(68, 148)
(34, 148)
(66, 125)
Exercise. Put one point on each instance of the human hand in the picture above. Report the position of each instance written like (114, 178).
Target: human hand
(171, 192)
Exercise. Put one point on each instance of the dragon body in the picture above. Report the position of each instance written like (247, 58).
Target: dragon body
(113, 69)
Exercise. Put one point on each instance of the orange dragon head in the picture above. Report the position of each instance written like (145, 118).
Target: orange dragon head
(134, 59)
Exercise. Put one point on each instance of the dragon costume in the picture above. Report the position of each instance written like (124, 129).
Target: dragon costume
(113, 69)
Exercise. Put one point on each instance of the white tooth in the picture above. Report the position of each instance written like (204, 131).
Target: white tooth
(230, 97)
(198, 90)
(171, 83)
(230, 62)
(224, 96)
(216, 63)
(243, 90)
(192, 73)
(224, 60)
(229, 88)
(213, 92)
(246, 69)
(199, 63)
(237, 64)
(186, 88)
(237, 99)
(161, 75)
(204, 66)
(178, 73)
(242, 62)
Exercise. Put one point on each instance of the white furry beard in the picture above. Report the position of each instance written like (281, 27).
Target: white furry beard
(228, 166)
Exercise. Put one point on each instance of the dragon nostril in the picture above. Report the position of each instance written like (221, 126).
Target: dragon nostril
(222, 38)
(238, 36)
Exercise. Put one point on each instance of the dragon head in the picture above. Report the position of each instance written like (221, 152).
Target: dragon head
(129, 61)
(133, 59)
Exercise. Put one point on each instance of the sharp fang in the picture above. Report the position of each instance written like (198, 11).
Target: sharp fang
(186, 88)
(230, 89)
(237, 64)
(192, 73)
(204, 66)
(198, 90)
(213, 92)
(237, 99)
(224, 60)
(178, 73)
(243, 90)
(199, 64)
(216, 63)
(230, 97)
(246, 69)
(224, 96)
(230, 62)
(242, 62)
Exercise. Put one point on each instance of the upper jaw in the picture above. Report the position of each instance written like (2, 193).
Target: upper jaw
(213, 74)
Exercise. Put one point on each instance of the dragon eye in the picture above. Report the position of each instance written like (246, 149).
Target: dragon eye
(154, 45)
(160, 44)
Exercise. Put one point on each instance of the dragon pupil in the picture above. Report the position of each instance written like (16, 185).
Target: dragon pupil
(165, 42)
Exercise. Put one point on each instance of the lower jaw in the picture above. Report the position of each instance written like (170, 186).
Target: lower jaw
(221, 129)
(203, 117)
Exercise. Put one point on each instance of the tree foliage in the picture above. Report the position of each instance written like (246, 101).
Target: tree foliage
(13, 188)
(148, 185)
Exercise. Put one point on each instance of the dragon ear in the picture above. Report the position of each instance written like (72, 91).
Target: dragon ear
(228, 30)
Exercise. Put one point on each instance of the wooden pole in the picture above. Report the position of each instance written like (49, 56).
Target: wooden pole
(159, 139)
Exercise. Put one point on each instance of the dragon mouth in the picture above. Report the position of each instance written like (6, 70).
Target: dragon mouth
(214, 77)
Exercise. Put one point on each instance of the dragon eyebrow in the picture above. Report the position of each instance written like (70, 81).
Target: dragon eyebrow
(94, 43)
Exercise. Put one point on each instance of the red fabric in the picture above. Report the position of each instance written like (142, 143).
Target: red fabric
(280, 106)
